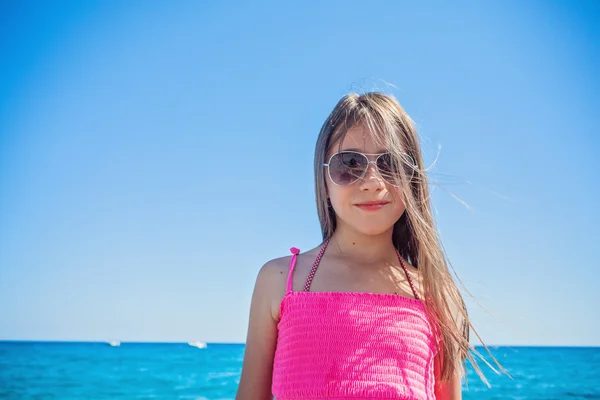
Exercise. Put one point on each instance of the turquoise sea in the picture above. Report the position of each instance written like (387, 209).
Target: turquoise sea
(71, 370)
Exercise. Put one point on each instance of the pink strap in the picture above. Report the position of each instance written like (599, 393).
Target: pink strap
(295, 253)
(412, 285)
(312, 272)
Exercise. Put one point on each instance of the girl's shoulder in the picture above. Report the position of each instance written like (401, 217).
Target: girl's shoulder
(281, 265)
(278, 268)
(273, 276)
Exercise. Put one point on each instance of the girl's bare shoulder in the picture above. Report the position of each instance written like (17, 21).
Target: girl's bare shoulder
(274, 274)
(281, 266)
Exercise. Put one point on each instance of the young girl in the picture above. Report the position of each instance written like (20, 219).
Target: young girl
(372, 312)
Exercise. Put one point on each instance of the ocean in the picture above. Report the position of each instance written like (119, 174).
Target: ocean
(73, 370)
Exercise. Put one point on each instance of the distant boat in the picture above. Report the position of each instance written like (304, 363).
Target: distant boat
(114, 343)
(200, 345)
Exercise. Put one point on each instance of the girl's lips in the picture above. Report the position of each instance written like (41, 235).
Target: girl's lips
(371, 206)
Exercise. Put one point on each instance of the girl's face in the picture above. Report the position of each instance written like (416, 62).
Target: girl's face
(350, 202)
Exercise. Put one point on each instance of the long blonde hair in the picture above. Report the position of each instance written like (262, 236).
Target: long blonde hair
(415, 234)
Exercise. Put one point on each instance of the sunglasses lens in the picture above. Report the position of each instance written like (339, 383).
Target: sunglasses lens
(387, 169)
(347, 167)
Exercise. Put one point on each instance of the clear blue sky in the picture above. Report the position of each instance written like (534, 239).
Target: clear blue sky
(154, 155)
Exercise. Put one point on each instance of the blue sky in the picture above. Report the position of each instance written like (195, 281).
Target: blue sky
(153, 156)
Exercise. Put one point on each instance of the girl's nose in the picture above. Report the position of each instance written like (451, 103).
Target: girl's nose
(372, 179)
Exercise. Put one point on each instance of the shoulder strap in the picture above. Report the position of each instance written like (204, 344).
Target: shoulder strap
(313, 270)
(412, 285)
(295, 253)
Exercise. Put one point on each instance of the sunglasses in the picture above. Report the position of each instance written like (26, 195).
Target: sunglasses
(347, 167)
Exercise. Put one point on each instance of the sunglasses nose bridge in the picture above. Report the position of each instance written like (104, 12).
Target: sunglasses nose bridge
(376, 171)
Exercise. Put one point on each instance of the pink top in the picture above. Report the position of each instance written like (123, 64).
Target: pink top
(352, 345)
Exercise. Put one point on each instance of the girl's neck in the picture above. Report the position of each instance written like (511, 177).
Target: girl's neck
(361, 248)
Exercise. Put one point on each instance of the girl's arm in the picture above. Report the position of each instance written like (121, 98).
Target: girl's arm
(257, 368)
(447, 390)
(452, 388)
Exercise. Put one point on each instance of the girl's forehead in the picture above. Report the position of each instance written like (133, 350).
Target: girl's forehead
(357, 138)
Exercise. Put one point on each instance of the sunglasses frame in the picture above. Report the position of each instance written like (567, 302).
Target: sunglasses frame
(369, 162)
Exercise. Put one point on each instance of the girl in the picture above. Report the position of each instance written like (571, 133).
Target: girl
(373, 311)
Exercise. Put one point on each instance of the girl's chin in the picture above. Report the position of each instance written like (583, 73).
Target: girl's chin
(373, 230)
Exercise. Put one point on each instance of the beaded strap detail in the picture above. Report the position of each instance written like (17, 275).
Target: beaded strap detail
(313, 270)
(412, 285)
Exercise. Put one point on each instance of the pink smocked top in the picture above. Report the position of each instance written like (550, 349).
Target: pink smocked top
(352, 345)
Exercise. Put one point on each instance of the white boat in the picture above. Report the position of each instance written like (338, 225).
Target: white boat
(114, 343)
(198, 344)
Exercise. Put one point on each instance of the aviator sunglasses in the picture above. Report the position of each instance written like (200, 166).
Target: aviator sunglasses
(347, 167)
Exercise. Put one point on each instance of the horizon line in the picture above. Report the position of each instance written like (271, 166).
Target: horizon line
(243, 343)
